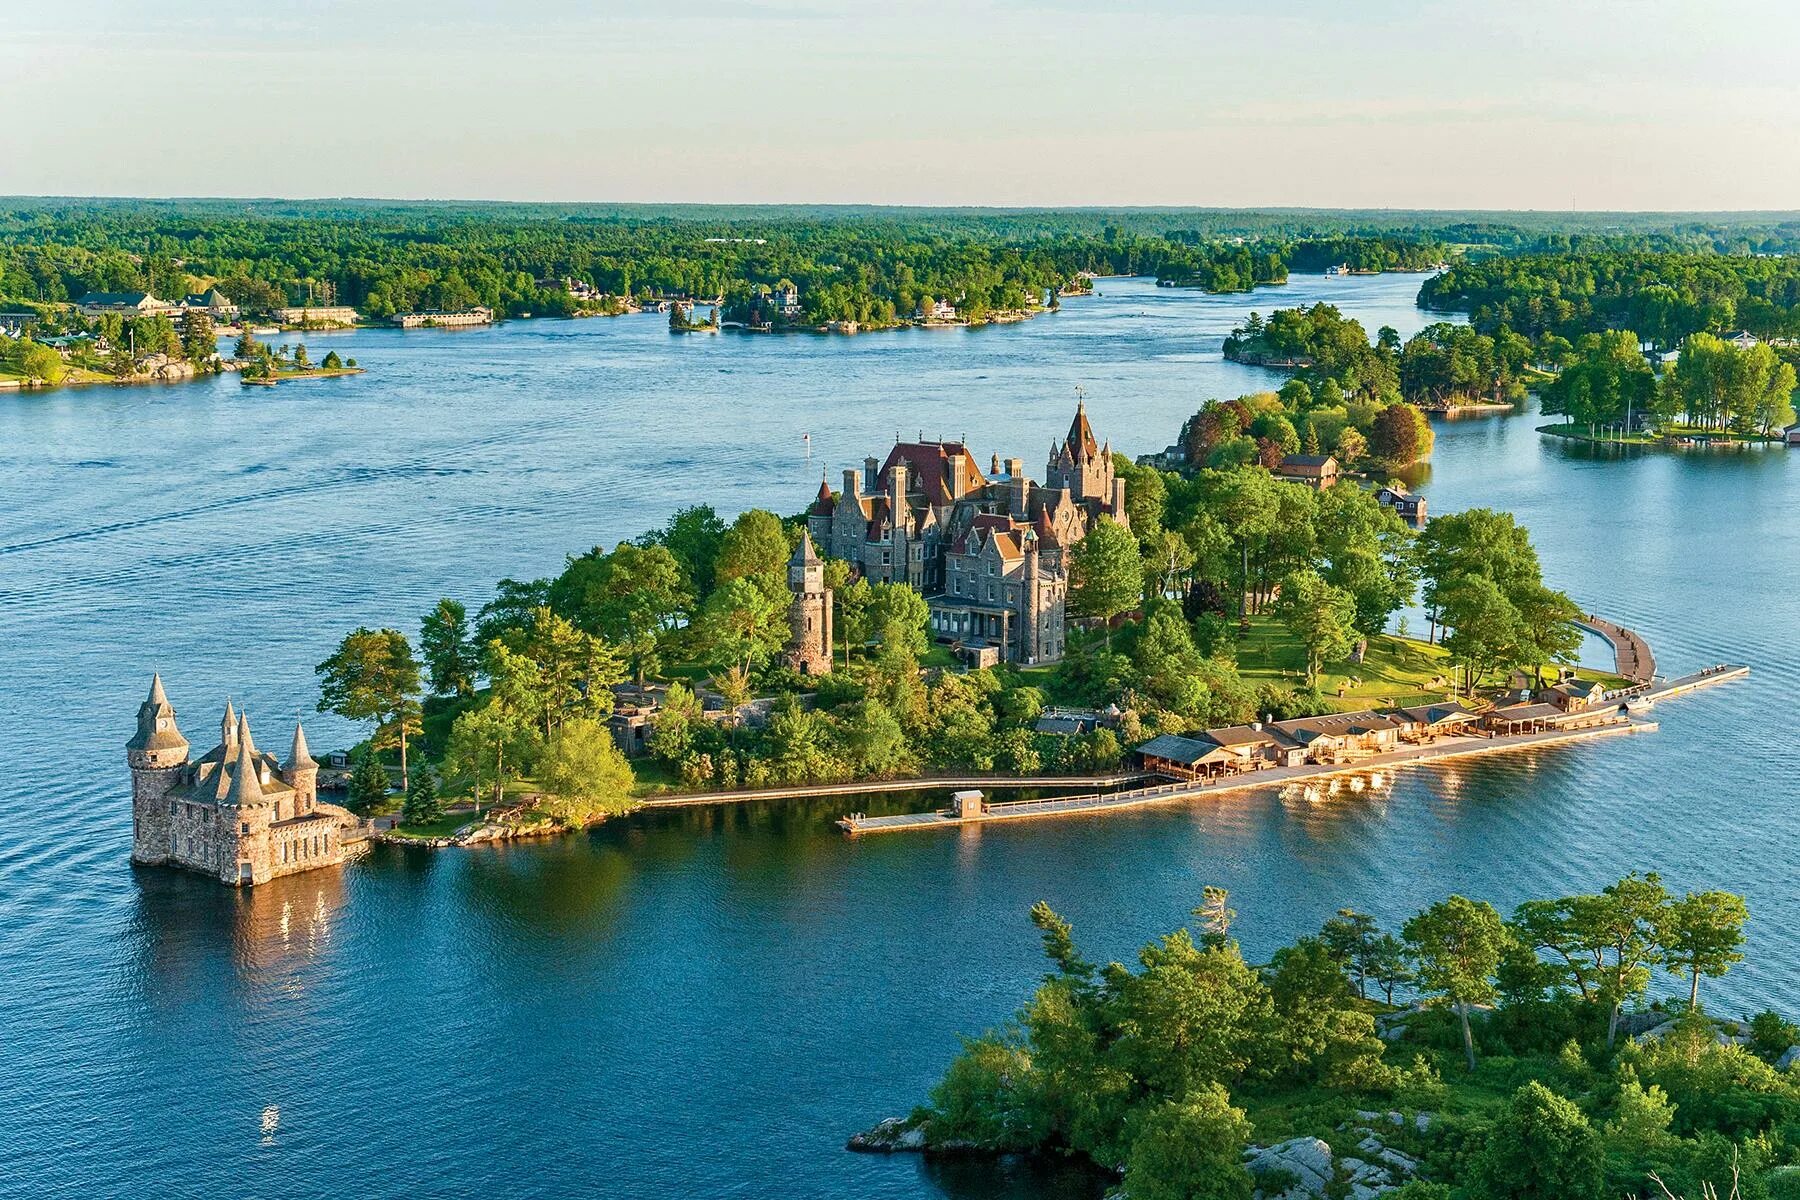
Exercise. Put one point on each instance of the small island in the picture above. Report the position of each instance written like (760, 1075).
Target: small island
(260, 365)
(1460, 1053)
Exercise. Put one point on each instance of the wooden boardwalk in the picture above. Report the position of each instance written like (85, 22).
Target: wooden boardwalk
(1631, 653)
(922, 783)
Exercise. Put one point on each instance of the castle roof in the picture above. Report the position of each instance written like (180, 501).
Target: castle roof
(156, 722)
(1080, 442)
(299, 758)
(245, 790)
(824, 502)
(929, 465)
(804, 554)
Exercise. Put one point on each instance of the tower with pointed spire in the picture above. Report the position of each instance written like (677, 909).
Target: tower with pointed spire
(809, 612)
(1080, 464)
(235, 813)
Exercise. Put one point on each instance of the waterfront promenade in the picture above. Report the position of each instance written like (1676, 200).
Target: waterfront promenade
(1631, 653)
(1603, 724)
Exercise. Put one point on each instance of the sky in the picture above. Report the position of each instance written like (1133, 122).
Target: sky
(1631, 104)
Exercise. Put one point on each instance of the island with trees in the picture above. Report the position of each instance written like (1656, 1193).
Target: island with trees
(1232, 595)
(1460, 1054)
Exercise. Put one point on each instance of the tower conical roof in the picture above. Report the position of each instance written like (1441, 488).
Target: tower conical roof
(156, 728)
(1081, 435)
(804, 554)
(245, 745)
(228, 729)
(246, 788)
(299, 758)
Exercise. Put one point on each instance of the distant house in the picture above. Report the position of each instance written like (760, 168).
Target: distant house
(1793, 434)
(1406, 506)
(17, 324)
(943, 310)
(1743, 339)
(212, 302)
(125, 304)
(317, 316)
(1317, 471)
(787, 299)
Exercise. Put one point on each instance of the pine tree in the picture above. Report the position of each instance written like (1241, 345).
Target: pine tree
(422, 803)
(368, 781)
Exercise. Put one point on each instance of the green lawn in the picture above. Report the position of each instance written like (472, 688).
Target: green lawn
(444, 826)
(1397, 672)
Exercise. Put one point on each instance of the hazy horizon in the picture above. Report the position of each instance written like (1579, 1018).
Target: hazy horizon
(1534, 106)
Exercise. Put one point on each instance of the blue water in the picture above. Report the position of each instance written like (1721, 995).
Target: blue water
(706, 1003)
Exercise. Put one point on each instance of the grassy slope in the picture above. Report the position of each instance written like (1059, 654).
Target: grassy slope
(1397, 671)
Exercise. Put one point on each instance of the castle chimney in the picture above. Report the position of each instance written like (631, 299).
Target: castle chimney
(957, 478)
(1015, 467)
(871, 474)
(1019, 502)
(897, 493)
(852, 482)
(1118, 501)
(994, 465)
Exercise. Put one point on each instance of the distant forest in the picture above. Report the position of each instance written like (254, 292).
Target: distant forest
(867, 264)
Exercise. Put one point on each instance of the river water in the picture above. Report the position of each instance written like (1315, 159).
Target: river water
(706, 1002)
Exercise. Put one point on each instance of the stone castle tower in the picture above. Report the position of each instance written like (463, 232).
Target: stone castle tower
(1085, 468)
(809, 615)
(236, 813)
(156, 755)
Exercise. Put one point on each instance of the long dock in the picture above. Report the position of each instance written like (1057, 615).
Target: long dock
(1462, 746)
(921, 783)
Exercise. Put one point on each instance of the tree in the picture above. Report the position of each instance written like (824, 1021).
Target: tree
(1703, 934)
(332, 362)
(742, 624)
(1457, 944)
(575, 671)
(1542, 1148)
(1215, 917)
(1321, 617)
(422, 803)
(1350, 937)
(756, 548)
(38, 362)
(585, 773)
(373, 675)
(489, 747)
(634, 597)
(693, 535)
(199, 344)
(1105, 575)
(854, 602)
(368, 781)
(450, 657)
(898, 616)
(1624, 922)
(1485, 630)
(1394, 437)
(1191, 1150)
(1388, 966)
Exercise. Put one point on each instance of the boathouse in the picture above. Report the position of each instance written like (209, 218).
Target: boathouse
(1522, 718)
(1316, 471)
(1186, 757)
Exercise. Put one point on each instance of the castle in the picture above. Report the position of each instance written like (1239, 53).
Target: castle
(235, 813)
(987, 551)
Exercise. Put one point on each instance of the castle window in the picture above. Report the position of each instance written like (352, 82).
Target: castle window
(246, 827)
(173, 809)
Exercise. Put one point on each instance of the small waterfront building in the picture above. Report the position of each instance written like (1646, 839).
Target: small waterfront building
(1339, 737)
(1177, 757)
(1437, 720)
(1317, 471)
(1743, 339)
(1793, 434)
(1574, 695)
(1522, 718)
(212, 302)
(1405, 505)
(315, 316)
(125, 304)
(236, 813)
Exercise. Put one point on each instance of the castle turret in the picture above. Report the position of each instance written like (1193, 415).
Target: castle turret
(228, 730)
(809, 614)
(156, 755)
(246, 789)
(302, 773)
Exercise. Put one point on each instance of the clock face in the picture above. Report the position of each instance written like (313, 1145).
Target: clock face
(162, 724)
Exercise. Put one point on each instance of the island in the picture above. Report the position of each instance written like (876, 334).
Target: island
(1461, 1053)
(1129, 633)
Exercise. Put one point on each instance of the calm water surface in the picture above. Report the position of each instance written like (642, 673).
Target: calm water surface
(706, 1003)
